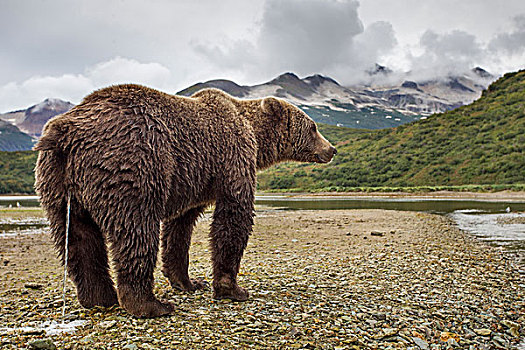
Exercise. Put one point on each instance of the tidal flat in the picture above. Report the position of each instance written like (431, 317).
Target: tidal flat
(330, 279)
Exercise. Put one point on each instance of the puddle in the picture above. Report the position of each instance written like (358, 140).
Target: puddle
(48, 327)
(14, 227)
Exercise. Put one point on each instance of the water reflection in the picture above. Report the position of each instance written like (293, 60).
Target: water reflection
(439, 206)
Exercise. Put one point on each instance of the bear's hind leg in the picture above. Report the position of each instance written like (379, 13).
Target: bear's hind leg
(134, 247)
(176, 240)
(88, 265)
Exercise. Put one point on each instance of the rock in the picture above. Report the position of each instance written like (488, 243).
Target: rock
(452, 342)
(130, 347)
(389, 332)
(380, 315)
(42, 344)
(421, 343)
(377, 233)
(500, 341)
(32, 331)
(294, 332)
(346, 318)
(483, 331)
(514, 332)
(107, 324)
(33, 286)
(445, 336)
(510, 324)
(87, 339)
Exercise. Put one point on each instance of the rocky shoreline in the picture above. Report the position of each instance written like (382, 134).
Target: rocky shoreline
(341, 279)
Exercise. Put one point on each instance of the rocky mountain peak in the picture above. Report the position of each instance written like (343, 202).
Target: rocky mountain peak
(36, 116)
(480, 72)
(317, 79)
(286, 78)
(50, 104)
(379, 70)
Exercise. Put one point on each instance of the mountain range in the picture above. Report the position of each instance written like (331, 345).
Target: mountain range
(373, 106)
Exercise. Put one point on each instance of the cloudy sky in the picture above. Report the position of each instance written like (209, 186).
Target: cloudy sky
(66, 49)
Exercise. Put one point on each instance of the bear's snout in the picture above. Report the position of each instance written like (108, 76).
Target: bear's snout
(326, 155)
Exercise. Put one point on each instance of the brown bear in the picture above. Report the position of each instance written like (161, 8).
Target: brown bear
(141, 166)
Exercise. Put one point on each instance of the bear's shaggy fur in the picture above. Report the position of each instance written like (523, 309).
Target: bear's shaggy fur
(141, 166)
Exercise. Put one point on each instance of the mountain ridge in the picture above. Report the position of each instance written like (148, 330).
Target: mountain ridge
(12, 139)
(321, 97)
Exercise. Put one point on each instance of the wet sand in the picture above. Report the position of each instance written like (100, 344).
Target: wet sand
(346, 279)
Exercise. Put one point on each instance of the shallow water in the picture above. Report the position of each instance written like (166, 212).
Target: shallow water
(431, 205)
(504, 229)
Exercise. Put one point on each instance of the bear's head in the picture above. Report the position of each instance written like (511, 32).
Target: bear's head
(301, 140)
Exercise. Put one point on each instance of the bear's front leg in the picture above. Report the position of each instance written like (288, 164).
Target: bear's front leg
(176, 239)
(231, 227)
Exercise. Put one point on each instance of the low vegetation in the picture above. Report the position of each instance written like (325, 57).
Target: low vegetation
(16, 172)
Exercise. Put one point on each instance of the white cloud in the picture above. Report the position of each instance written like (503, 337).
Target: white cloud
(74, 87)
(124, 70)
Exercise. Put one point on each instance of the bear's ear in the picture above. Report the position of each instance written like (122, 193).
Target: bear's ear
(272, 106)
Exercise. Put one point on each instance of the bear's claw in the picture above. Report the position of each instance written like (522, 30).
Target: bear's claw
(236, 293)
(151, 308)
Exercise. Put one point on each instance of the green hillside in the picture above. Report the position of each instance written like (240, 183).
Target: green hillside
(12, 139)
(16, 172)
(482, 143)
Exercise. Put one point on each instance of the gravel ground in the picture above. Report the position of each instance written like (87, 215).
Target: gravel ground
(342, 279)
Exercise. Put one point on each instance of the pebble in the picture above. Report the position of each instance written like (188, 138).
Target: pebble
(510, 324)
(483, 331)
(452, 342)
(429, 288)
(45, 344)
(421, 343)
(33, 286)
(107, 324)
(377, 233)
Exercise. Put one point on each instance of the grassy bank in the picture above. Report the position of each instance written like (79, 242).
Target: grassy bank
(415, 189)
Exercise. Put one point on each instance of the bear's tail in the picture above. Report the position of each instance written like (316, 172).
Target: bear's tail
(51, 180)
(52, 136)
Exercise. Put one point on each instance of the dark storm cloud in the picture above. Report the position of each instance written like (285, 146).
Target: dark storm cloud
(446, 54)
(512, 42)
(306, 37)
